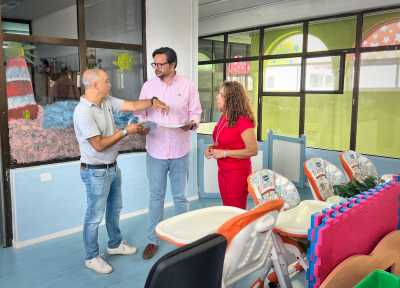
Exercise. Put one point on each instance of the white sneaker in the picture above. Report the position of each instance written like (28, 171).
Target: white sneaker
(99, 265)
(123, 249)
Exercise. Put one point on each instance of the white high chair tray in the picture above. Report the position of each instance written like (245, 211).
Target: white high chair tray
(191, 226)
(296, 221)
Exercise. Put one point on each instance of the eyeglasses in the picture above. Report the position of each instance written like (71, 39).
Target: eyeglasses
(158, 65)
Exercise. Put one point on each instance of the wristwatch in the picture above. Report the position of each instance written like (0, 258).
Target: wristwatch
(124, 132)
(152, 100)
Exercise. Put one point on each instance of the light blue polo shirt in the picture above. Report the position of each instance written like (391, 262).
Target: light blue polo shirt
(91, 120)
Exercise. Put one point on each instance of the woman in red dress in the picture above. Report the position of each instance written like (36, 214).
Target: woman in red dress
(234, 143)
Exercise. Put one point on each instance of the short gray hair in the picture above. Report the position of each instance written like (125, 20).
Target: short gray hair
(90, 76)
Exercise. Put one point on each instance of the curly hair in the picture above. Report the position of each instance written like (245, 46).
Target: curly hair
(236, 102)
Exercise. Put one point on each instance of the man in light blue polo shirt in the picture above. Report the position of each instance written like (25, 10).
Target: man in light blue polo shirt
(98, 140)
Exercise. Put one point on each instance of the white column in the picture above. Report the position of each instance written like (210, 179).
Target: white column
(173, 23)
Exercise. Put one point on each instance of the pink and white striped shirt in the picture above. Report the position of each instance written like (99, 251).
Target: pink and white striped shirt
(183, 100)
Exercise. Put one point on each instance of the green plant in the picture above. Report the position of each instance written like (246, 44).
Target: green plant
(14, 49)
(355, 187)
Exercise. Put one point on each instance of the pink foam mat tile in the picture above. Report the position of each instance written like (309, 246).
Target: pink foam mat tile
(354, 231)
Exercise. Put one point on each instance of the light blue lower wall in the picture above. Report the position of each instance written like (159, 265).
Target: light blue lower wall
(56, 207)
(43, 208)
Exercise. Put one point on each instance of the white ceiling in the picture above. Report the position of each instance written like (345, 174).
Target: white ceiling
(213, 8)
(32, 9)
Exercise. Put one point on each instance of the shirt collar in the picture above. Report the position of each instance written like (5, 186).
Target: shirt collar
(90, 103)
(174, 79)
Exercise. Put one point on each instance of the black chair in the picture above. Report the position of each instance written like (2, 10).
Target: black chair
(196, 265)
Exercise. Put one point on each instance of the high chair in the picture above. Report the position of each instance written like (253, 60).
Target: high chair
(322, 176)
(294, 221)
(359, 167)
(252, 245)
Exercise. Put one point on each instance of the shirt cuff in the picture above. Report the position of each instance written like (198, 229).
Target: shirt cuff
(195, 119)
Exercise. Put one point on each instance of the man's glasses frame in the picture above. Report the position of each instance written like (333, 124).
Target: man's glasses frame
(158, 65)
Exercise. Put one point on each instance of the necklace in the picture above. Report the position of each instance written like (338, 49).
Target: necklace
(220, 127)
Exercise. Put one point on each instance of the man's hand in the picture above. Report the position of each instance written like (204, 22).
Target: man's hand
(189, 126)
(160, 106)
(134, 128)
(144, 131)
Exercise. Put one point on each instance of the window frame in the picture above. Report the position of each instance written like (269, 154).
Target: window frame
(81, 43)
(342, 53)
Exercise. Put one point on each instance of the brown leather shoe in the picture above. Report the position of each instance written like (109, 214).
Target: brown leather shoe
(149, 251)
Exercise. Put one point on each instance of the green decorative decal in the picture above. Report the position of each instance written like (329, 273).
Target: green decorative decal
(124, 61)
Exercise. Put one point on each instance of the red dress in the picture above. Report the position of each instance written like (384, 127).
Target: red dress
(232, 172)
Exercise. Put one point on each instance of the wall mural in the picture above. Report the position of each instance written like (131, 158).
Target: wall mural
(383, 34)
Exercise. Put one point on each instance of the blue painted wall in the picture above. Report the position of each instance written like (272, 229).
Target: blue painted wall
(42, 208)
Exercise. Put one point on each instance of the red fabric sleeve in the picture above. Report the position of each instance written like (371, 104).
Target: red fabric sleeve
(244, 123)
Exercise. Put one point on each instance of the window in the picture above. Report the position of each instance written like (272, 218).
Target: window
(282, 75)
(210, 79)
(281, 114)
(381, 28)
(246, 73)
(381, 71)
(328, 116)
(283, 39)
(124, 68)
(379, 103)
(16, 27)
(243, 44)
(42, 92)
(114, 21)
(375, 74)
(56, 19)
(310, 90)
(322, 73)
(325, 32)
(213, 47)
(43, 71)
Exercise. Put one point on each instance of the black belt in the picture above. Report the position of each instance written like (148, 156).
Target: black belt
(98, 166)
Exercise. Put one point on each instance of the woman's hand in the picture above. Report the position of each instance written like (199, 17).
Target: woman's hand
(209, 152)
(218, 153)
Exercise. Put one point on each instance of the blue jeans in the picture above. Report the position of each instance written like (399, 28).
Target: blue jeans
(103, 194)
(157, 171)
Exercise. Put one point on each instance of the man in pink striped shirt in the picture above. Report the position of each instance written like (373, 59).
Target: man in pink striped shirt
(168, 144)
